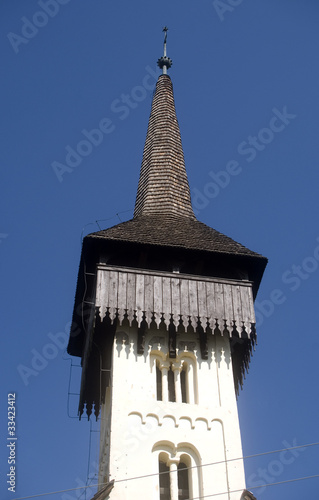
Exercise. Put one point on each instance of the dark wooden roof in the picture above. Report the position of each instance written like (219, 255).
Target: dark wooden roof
(181, 231)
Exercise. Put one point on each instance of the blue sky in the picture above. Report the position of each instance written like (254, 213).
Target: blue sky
(245, 76)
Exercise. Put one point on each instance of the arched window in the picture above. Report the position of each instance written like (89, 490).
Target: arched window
(183, 481)
(159, 383)
(164, 481)
(180, 472)
(175, 476)
(171, 385)
(183, 377)
(176, 379)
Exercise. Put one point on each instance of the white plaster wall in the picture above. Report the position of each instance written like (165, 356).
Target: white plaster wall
(135, 425)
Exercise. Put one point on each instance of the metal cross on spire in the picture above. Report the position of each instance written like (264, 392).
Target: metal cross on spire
(165, 62)
(165, 30)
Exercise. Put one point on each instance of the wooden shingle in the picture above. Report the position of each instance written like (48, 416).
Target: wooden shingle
(163, 186)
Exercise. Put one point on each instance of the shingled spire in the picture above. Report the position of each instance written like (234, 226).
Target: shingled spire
(163, 186)
(163, 215)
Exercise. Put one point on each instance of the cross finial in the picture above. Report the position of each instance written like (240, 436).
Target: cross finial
(165, 62)
(165, 29)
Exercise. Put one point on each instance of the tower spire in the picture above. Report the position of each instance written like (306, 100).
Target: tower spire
(165, 62)
(163, 188)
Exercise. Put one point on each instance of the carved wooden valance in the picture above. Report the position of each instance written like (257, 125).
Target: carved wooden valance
(151, 296)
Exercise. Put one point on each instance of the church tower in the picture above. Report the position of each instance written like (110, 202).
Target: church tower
(164, 323)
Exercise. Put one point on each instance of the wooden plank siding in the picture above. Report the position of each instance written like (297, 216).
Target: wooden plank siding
(151, 294)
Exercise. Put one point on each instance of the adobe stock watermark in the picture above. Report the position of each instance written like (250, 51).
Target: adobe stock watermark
(121, 107)
(291, 278)
(3, 236)
(137, 434)
(224, 6)
(249, 149)
(275, 468)
(41, 358)
(82, 490)
(30, 27)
